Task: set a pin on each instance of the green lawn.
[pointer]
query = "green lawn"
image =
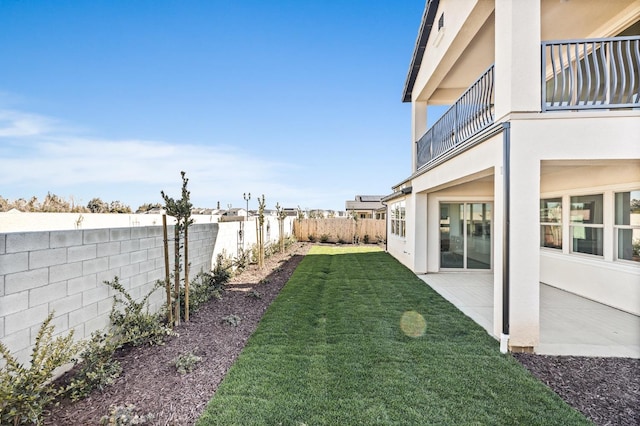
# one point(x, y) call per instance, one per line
point(355, 338)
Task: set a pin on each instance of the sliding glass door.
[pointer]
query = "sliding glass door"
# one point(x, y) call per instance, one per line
point(465, 235)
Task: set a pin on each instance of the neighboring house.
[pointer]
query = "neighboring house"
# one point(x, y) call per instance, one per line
point(290, 211)
point(367, 207)
point(234, 214)
point(533, 173)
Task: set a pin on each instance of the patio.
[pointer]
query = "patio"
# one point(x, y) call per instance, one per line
point(569, 324)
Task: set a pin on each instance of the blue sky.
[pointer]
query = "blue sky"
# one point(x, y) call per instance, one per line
point(299, 100)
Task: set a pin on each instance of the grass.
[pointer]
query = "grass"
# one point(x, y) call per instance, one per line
point(355, 338)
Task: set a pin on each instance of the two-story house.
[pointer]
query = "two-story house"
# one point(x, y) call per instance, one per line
point(532, 172)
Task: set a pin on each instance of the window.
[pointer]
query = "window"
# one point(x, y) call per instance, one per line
point(627, 225)
point(398, 222)
point(586, 225)
point(551, 223)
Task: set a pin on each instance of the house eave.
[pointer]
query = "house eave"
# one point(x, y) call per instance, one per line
point(428, 18)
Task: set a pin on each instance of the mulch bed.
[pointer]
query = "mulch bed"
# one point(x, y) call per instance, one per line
point(150, 380)
point(605, 390)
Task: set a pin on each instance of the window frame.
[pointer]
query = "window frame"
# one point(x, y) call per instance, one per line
point(617, 227)
point(590, 225)
point(552, 224)
point(397, 216)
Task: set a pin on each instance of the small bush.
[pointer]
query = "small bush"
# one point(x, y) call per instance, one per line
point(232, 320)
point(203, 287)
point(271, 249)
point(185, 363)
point(222, 270)
point(288, 242)
point(125, 415)
point(324, 238)
point(96, 368)
point(254, 294)
point(366, 239)
point(311, 238)
point(243, 259)
point(341, 241)
point(24, 392)
point(134, 325)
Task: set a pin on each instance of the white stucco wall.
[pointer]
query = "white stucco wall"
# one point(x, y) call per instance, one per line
point(227, 241)
point(601, 278)
point(30, 222)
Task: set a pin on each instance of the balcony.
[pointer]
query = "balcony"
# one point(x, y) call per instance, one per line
point(469, 115)
point(588, 74)
point(601, 73)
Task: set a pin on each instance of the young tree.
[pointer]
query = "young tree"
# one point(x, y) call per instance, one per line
point(260, 231)
point(281, 214)
point(181, 210)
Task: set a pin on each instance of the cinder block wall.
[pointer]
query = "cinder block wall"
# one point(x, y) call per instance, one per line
point(64, 271)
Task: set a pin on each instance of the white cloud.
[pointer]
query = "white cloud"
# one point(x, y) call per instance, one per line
point(37, 156)
point(19, 124)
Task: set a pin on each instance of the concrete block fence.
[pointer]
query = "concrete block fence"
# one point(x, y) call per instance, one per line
point(64, 271)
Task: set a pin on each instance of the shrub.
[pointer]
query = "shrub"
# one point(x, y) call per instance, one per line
point(241, 261)
point(97, 368)
point(271, 249)
point(288, 242)
point(134, 325)
point(366, 238)
point(324, 238)
point(185, 363)
point(24, 392)
point(125, 415)
point(232, 320)
point(254, 294)
point(203, 287)
point(311, 238)
point(222, 270)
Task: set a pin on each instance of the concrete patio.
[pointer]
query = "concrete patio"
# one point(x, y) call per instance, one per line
point(569, 324)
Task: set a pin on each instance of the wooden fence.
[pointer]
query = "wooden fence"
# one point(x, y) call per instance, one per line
point(340, 230)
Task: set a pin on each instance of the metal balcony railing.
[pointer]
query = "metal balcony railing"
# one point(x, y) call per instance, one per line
point(599, 73)
point(470, 114)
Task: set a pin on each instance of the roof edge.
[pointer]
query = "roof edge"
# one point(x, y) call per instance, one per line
point(428, 17)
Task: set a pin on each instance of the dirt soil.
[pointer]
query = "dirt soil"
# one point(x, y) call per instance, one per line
point(605, 390)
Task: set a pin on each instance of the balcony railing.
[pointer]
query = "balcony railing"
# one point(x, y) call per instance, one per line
point(600, 73)
point(469, 115)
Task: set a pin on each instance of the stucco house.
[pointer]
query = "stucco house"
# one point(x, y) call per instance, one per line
point(533, 172)
point(366, 207)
